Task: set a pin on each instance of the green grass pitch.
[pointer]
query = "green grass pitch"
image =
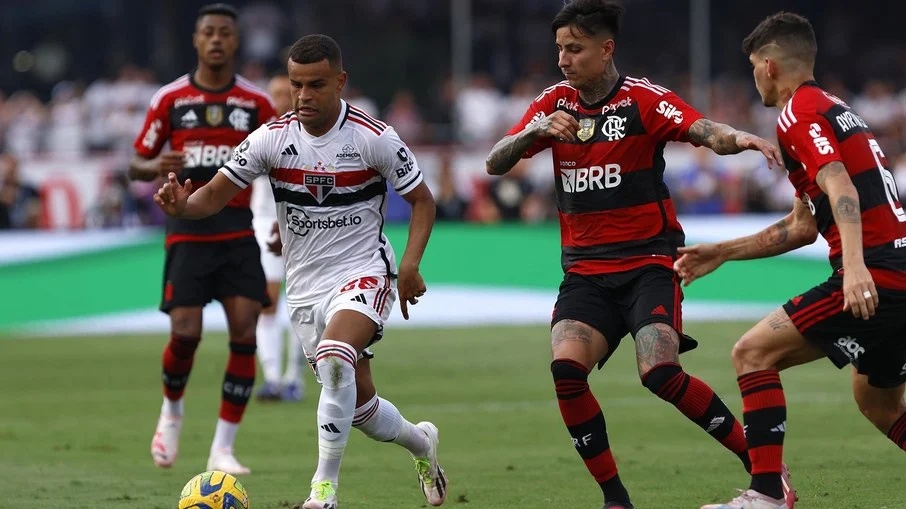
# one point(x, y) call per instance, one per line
point(77, 414)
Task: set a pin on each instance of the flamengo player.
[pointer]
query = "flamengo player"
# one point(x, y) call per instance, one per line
point(273, 327)
point(619, 231)
point(330, 164)
point(858, 315)
point(203, 116)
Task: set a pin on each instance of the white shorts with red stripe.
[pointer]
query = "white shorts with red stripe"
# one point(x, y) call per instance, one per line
point(373, 296)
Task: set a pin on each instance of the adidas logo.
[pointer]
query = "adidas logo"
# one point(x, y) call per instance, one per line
point(290, 150)
point(330, 428)
point(780, 428)
point(659, 311)
point(360, 298)
point(190, 119)
point(715, 422)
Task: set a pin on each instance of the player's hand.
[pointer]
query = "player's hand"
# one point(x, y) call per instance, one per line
point(172, 161)
point(172, 197)
point(697, 261)
point(748, 141)
point(859, 292)
point(410, 287)
point(274, 244)
point(559, 125)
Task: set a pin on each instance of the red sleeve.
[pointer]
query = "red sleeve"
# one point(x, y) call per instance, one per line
point(156, 129)
point(668, 117)
point(541, 107)
point(811, 141)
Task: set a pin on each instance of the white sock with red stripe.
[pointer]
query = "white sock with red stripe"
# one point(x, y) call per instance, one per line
point(380, 420)
point(335, 362)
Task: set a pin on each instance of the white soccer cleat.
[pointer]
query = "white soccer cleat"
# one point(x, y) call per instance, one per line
point(750, 499)
point(223, 460)
point(323, 496)
point(165, 443)
point(430, 476)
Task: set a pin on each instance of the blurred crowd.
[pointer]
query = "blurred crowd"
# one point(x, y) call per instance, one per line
point(61, 105)
point(103, 118)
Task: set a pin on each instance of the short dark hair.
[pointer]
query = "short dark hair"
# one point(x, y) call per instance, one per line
point(314, 48)
point(219, 8)
point(590, 16)
point(791, 32)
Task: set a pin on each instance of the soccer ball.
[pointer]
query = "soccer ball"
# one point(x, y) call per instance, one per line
point(213, 490)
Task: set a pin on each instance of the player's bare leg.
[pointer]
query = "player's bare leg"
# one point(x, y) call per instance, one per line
point(772, 344)
point(178, 356)
point(380, 420)
point(270, 346)
point(242, 318)
point(884, 408)
point(576, 347)
point(657, 354)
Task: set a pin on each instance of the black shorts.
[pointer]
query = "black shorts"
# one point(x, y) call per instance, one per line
point(195, 273)
point(622, 303)
point(876, 347)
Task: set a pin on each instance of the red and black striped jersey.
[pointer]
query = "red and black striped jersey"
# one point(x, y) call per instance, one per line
point(816, 128)
point(616, 213)
point(206, 125)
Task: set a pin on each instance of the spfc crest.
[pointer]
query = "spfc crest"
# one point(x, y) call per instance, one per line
point(319, 185)
point(214, 114)
point(586, 129)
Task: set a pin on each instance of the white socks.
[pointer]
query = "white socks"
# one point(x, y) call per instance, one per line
point(335, 362)
point(380, 420)
point(224, 435)
point(171, 408)
point(294, 360)
point(269, 338)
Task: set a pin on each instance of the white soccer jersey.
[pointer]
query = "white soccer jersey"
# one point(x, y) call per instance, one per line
point(331, 196)
point(262, 202)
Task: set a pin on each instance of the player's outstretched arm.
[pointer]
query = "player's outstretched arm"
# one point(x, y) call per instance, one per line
point(507, 152)
point(859, 292)
point(179, 200)
point(723, 139)
point(797, 229)
point(410, 284)
point(142, 168)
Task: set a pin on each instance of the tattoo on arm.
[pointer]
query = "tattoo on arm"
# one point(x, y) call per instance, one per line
point(570, 330)
point(655, 344)
point(848, 210)
point(507, 152)
point(827, 171)
point(720, 138)
point(775, 235)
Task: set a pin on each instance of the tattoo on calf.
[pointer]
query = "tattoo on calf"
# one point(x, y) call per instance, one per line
point(655, 344)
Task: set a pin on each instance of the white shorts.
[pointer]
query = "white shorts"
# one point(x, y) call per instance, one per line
point(274, 269)
point(373, 296)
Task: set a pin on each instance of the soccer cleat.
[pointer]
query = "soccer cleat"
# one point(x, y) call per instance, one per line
point(323, 496)
point(750, 499)
point(292, 392)
point(430, 476)
point(789, 492)
point(223, 460)
point(618, 505)
point(165, 443)
point(268, 392)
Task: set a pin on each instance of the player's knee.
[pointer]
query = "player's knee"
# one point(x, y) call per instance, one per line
point(335, 362)
point(183, 347)
point(658, 376)
point(751, 353)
